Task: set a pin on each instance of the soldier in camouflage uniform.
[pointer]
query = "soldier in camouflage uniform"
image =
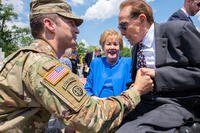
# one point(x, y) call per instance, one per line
point(35, 85)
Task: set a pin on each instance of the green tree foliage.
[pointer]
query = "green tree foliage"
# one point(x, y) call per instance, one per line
point(81, 49)
point(11, 38)
point(126, 52)
point(91, 48)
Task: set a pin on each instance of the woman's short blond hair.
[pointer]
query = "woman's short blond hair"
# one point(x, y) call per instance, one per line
point(110, 32)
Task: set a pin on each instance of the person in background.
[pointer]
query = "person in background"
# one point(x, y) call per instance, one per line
point(69, 58)
point(65, 59)
point(87, 60)
point(108, 75)
point(169, 53)
point(75, 51)
point(36, 85)
point(190, 8)
point(74, 60)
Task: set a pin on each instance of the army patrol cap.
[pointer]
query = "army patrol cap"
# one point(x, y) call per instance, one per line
point(60, 7)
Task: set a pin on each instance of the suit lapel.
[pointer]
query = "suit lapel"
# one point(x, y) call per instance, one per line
point(160, 46)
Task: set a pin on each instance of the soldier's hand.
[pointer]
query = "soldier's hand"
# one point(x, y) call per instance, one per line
point(143, 82)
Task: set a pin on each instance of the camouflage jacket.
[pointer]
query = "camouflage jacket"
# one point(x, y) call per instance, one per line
point(34, 85)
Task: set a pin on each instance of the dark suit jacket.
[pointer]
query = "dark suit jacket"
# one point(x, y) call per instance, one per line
point(179, 15)
point(177, 60)
point(88, 58)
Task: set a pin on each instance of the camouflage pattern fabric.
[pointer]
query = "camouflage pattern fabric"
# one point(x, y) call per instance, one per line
point(30, 92)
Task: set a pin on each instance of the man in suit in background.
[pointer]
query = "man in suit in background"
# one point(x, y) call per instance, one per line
point(170, 54)
point(88, 58)
point(190, 8)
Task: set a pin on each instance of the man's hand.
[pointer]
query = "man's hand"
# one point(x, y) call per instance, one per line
point(143, 82)
point(148, 71)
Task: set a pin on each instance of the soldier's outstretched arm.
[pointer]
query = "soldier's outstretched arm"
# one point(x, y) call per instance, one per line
point(61, 93)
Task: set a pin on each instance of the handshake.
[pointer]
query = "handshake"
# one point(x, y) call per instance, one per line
point(143, 80)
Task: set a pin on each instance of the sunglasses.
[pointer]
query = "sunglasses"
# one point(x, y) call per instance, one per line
point(198, 4)
point(123, 26)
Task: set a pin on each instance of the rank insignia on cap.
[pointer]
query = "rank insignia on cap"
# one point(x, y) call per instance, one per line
point(56, 74)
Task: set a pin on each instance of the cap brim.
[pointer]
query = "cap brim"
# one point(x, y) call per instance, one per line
point(78, 20)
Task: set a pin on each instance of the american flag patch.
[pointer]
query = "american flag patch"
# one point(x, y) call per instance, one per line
point(56, 74)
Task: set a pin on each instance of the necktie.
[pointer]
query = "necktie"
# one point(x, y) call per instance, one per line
point(190, 20)
point(140, 56)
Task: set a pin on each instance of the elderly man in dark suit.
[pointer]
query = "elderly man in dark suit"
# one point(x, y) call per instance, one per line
point(190, 8)
point(170, 54)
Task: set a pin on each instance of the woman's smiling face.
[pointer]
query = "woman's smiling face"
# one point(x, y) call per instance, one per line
point(111, 49)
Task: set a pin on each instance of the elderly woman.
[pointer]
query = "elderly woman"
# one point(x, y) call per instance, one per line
point(108, 75)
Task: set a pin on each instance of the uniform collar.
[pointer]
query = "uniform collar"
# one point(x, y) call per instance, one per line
point(43, 47)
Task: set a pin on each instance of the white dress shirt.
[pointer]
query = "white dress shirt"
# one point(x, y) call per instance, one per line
point(149, 47)
point(185, 12)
